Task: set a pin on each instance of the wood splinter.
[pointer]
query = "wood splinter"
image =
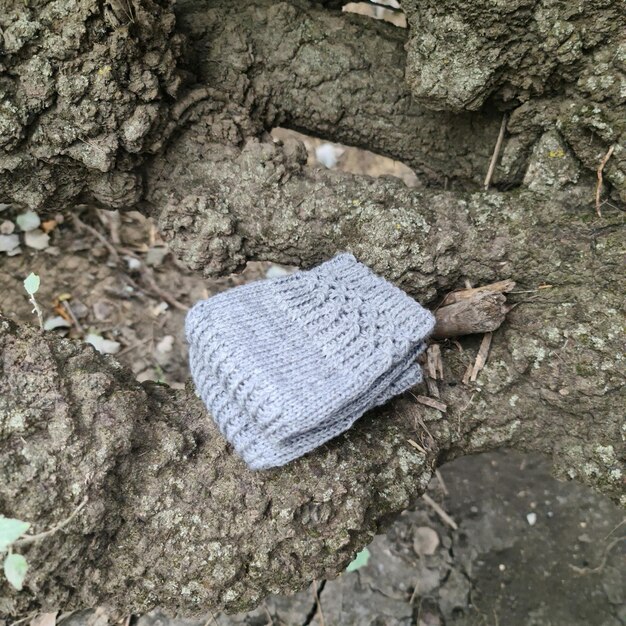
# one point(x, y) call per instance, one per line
point(482, 312)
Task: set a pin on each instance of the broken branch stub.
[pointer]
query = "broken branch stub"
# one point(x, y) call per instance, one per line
point(481, 312)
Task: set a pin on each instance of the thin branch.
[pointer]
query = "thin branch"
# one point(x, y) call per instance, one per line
point(440, 512)
point(99, 236)
point(26, 541)
point(496, 152)
point(36, 309)
point(319, 606)
point(481, 357)
point(600, 566)
point(607, 156)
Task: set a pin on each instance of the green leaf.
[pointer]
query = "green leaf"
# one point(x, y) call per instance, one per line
point(360, 561)
point(10, 531)
point(31, 284)
point(15, 568)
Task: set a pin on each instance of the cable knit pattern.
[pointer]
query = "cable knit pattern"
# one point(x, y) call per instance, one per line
point(285, 364)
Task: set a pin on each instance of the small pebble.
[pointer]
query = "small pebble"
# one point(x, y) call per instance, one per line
point(9, 242)
point(133, 263)
point(7, 227)
point(156, 255)
point(28, 221)
point(36, 239)
point(166, 344)
point(531, 518)
point(425, 540)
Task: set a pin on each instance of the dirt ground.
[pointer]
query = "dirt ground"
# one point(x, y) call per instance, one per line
point(527, 550)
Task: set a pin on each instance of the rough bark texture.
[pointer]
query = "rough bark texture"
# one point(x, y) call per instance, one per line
point(84, 110)
point(173, 518)
point(563, 62)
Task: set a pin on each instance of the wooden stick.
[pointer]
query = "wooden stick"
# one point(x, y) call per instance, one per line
point(496, 152)
point(434, 363)
point(607, 156)
point(482, 312)
point(502, 286)
point(437, 509)
point(481, 357)
point(432, 403)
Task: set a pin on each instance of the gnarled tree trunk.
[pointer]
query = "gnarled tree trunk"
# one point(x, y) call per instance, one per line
point(128, 103)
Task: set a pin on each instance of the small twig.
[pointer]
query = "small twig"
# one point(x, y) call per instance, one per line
point(36, 309)
point(146, 274)
point(269, 615)
point(431, 402)
point(417, 446)
point(420, 421)
point(502, 286)
point(70, 312)
point(433, 389)
point(605, 556)
point(496, 152)
point(319, 605)
point(134, 346)
point(99, 236)
point(616, 527)
point(481, 357)
point(442, 483)
point(211, 619)
point(442, 514)
point(24, 619)
point(92, 145)
point(33, 538)
point(434, 362)
point(415, 592)
point(607, 156)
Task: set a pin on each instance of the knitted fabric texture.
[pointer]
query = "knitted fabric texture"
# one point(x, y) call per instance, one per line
point(285, 364)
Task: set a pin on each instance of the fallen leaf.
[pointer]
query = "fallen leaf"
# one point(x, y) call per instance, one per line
point(31, 284)
point(11, 530)
point(102, 345)
point(49, 225)
point(56, 322)
point(359, 561)
point(15, 568)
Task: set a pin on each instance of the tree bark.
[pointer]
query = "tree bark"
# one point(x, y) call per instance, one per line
point(173, 511)
point(123, 111)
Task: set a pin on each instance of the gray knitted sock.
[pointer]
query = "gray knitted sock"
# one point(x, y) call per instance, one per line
point(286, 364)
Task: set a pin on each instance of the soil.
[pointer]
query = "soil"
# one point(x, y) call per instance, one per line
point(528, 550)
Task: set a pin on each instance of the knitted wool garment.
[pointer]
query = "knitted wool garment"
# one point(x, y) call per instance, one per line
point(285, 364)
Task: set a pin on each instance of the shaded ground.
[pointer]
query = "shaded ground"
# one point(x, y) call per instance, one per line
point(528, 550)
